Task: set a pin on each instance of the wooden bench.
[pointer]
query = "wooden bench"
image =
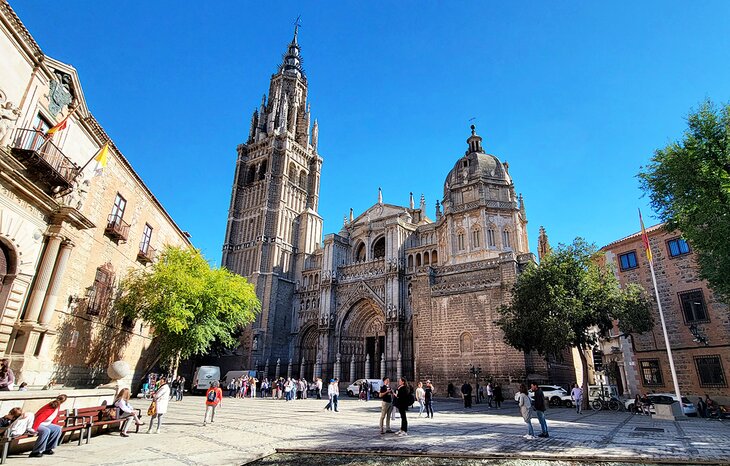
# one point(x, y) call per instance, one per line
point(69, 422)
point(97, 418)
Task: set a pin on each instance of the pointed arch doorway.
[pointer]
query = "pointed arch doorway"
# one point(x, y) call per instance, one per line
point(362, 336)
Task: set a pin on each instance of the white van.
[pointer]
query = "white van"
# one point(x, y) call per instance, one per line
point(204, 377)
point(354, 388)
point(230, 375)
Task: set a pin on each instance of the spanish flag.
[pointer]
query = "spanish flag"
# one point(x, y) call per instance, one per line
point(101, 159)
point(645, 238)
point(59, 127)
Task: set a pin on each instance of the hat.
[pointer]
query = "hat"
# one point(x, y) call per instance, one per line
point(332, 380)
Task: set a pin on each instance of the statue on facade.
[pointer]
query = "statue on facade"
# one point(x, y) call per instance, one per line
point(9, 114)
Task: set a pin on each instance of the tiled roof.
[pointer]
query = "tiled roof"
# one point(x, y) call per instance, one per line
point(649, 230)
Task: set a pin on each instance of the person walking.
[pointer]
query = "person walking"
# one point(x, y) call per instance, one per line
point(335, 394)
point(498, 397)
point(319, 388)
point(466, 393)
point(428, 398)
point(125, 411)
point(330, 395)
point(540, 408)
point(49, 433)
point(213, 399)
point(421, 398)
point(577, 395)
point(523, 401)
point(181, 390)
point(403, 399)
point(160, 398)
point(490, 394)
point(386, 405)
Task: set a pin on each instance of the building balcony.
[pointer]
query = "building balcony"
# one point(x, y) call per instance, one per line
point(116, 228)
point(46, 164)
point(146, 253)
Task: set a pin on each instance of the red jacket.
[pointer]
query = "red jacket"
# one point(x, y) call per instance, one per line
point(43, 414)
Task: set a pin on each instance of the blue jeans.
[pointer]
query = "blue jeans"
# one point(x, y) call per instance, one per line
point(543, 422)
point(530, 431)
point(48, 437)
point(334, 402)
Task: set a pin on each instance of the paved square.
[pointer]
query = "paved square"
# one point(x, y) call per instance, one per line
point(247, 429)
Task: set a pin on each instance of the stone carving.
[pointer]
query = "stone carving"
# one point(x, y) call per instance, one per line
point(9, 114)
point(77, 194)
point(60, 95)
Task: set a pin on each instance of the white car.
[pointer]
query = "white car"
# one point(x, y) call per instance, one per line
point(554, 394)
point(354, 388)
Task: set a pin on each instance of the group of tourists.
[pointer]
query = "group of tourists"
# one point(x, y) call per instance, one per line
point(245, 386)
point(491, 393)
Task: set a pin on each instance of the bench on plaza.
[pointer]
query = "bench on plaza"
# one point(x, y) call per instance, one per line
point(69, 422)
point(100, 417)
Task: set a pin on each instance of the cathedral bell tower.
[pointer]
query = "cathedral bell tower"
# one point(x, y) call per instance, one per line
point(272, 220)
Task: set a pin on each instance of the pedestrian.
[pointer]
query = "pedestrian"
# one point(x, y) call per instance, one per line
point(480, 393)
point(253, 382)
point(403, 399)
point(577, 395)
point(213, 399)
point(7, 378)
point(125, 411)
point(466, 394)
point(181, 390)
point(335, 394)
point(319, 388)
point(160, 399)
point(298, 387)
point(421, 398)
point(523, 401)
point(490, 394)
point(701, 407)
point(450, 390)
point(173, 388)
point(498, 397)
point(332, 393)
point(428, 398)
point(386, 405)
point(540, 407)
point(49, 433)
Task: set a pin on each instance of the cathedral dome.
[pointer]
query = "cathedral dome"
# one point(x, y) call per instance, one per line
point(476, 165)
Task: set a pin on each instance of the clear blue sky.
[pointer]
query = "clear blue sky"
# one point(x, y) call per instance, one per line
point(576, 96)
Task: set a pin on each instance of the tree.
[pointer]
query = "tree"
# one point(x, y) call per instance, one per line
point(570, 300)
point(188, 304)
point(688, 183)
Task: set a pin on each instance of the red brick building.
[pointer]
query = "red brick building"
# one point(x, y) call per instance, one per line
point(698, 322)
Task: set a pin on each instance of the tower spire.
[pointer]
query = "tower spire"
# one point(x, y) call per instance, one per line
point(292, 63)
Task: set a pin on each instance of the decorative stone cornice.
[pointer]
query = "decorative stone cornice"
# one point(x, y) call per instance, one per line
point(16, 25)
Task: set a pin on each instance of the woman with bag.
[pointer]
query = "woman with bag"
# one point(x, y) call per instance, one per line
point(523, 401)
point(159, 404)
point(403, 399)
point(125, 411)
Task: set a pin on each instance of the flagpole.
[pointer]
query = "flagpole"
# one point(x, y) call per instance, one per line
point(661, 317)
point(81, 170)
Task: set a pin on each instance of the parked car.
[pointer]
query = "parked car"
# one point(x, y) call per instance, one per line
point(354, 388)
point(688, 408)
point(554, 394)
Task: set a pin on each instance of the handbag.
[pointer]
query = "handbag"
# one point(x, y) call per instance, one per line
point(152, 410)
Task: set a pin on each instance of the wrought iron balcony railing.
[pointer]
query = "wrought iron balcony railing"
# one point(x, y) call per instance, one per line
point(46, 163)
point(146, 253)
point(116, 228)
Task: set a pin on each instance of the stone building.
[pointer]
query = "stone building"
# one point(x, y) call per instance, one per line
point(698, 323)
point(394, 292)
point(66, 236)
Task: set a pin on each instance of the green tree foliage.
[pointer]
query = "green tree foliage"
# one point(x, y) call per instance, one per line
point(688, 183)
point(188, 304)
point(571, 300)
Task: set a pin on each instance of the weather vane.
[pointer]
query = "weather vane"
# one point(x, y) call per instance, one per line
point(297, 24)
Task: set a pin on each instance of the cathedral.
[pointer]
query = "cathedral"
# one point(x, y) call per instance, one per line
point(394, 292)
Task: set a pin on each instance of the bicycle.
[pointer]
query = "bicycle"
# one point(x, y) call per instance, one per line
point(605, 402)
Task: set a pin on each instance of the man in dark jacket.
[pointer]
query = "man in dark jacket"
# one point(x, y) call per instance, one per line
point(466, 392)
point(539, 406)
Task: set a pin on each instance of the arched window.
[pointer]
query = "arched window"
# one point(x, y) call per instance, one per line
point(460, 241)
point(292, 173)
point(410, 261)
point(303, 179)
point(316, 279)
point(490, 238)
point(476, 238)
point(262, 170)
point(466, 343)
point(306, 281)
point(425, 258)
point(505, 239)
point(418, 259)
point(434, 257)
point(379, 248)
point(360, 253)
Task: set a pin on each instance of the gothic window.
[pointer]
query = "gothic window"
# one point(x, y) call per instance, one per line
point(100, 293)
point(466, 343)
point(434, 257)
point(490, 238)
point(306, 281)
point(505, 239)
point(303, 180)
point(410, 261)
point(460, 241)
point(360, 253)
point(379, 248)
point(418, 259)
point(262, 170)
point(476, 240)
point(292, 173)
point(316, 279)
point(251, 174)
point(425, 258)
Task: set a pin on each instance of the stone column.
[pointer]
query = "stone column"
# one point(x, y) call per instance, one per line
point(399, 366)
point(278, 368)
point(382, 365)
point(49, 306)
point(266, 369)
point(302, 369)
point(367, 366)
point(352, 369)
point(288, 370)
point(43, 276)
point(338, 367)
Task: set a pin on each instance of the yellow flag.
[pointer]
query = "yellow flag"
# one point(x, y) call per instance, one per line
point(101, 160)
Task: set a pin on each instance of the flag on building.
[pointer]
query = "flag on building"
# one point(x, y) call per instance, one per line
point(60, 126)
point(101, 160)
point(645, 238)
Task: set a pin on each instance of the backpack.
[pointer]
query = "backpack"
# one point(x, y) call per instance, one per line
point(212, 396)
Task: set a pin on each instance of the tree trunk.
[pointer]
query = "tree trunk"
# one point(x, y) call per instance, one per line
point(584, 365)
point(175, 365)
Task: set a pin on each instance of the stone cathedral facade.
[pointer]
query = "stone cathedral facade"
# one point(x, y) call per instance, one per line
point(394, 292)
